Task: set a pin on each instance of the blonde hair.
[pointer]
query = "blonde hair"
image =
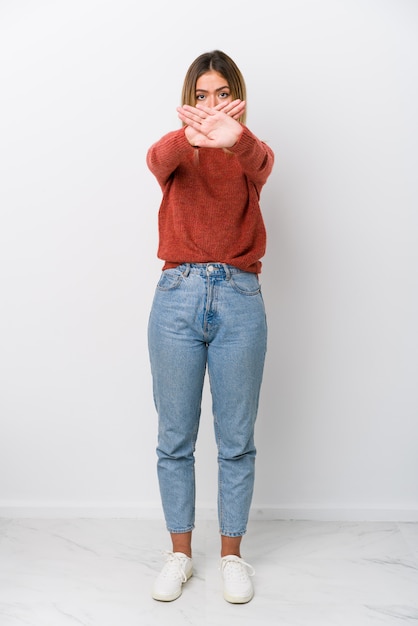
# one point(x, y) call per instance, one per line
point(219, 62)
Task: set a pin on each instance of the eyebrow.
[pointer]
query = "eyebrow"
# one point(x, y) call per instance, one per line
point(219, 89)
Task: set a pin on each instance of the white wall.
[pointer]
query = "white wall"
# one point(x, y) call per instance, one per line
point(86, 87)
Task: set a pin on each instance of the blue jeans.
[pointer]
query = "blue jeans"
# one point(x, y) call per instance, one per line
point(207, 315)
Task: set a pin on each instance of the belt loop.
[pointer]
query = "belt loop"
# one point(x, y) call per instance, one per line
point(227, 271)
point(187, 270)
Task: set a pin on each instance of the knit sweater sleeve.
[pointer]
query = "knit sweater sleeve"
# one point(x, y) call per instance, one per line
point(255, 156)
point(164, 156)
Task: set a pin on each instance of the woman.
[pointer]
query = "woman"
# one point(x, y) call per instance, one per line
point(208, 312)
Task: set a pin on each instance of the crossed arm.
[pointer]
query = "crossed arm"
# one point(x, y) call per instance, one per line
point(212, 128)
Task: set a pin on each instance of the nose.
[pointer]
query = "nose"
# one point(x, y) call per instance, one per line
point(212, 101)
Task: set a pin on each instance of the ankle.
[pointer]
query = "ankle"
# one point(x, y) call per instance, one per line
point(230, 546)
point(182, 542)
point(183, 548)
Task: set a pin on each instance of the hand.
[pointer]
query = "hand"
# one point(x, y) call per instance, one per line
point(212, 128)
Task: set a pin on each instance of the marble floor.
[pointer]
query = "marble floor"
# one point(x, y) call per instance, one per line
point(99, 572)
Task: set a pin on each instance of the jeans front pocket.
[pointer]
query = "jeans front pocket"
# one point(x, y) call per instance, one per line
point(169, 279)
point(245, 283)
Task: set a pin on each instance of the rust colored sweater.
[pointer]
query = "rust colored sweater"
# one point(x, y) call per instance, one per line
point(210, 208)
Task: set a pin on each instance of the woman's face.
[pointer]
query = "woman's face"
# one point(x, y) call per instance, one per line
point(212, 89)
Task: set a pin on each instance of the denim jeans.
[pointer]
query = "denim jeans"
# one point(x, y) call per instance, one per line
point(207, 315)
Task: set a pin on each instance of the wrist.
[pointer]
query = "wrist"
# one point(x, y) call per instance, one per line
point(238, 136)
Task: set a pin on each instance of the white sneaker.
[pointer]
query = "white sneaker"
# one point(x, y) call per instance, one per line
point(176, 571)
point(236, 573)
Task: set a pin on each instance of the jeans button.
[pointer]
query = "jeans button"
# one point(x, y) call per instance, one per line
point(210, 268)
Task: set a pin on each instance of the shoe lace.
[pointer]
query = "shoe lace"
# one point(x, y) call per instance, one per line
point(173, 568)
point(236, 568)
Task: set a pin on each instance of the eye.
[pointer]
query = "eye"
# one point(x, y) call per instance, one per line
point(223, 95)
point(200, 96)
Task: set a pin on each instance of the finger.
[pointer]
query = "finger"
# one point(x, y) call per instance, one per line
point(229, 106)
point(202, 108)
point(237, 107)
point(237, 112)
point(189, 122)
point(190, 113)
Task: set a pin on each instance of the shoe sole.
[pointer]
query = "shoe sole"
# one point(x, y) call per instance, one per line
point(238, 599)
